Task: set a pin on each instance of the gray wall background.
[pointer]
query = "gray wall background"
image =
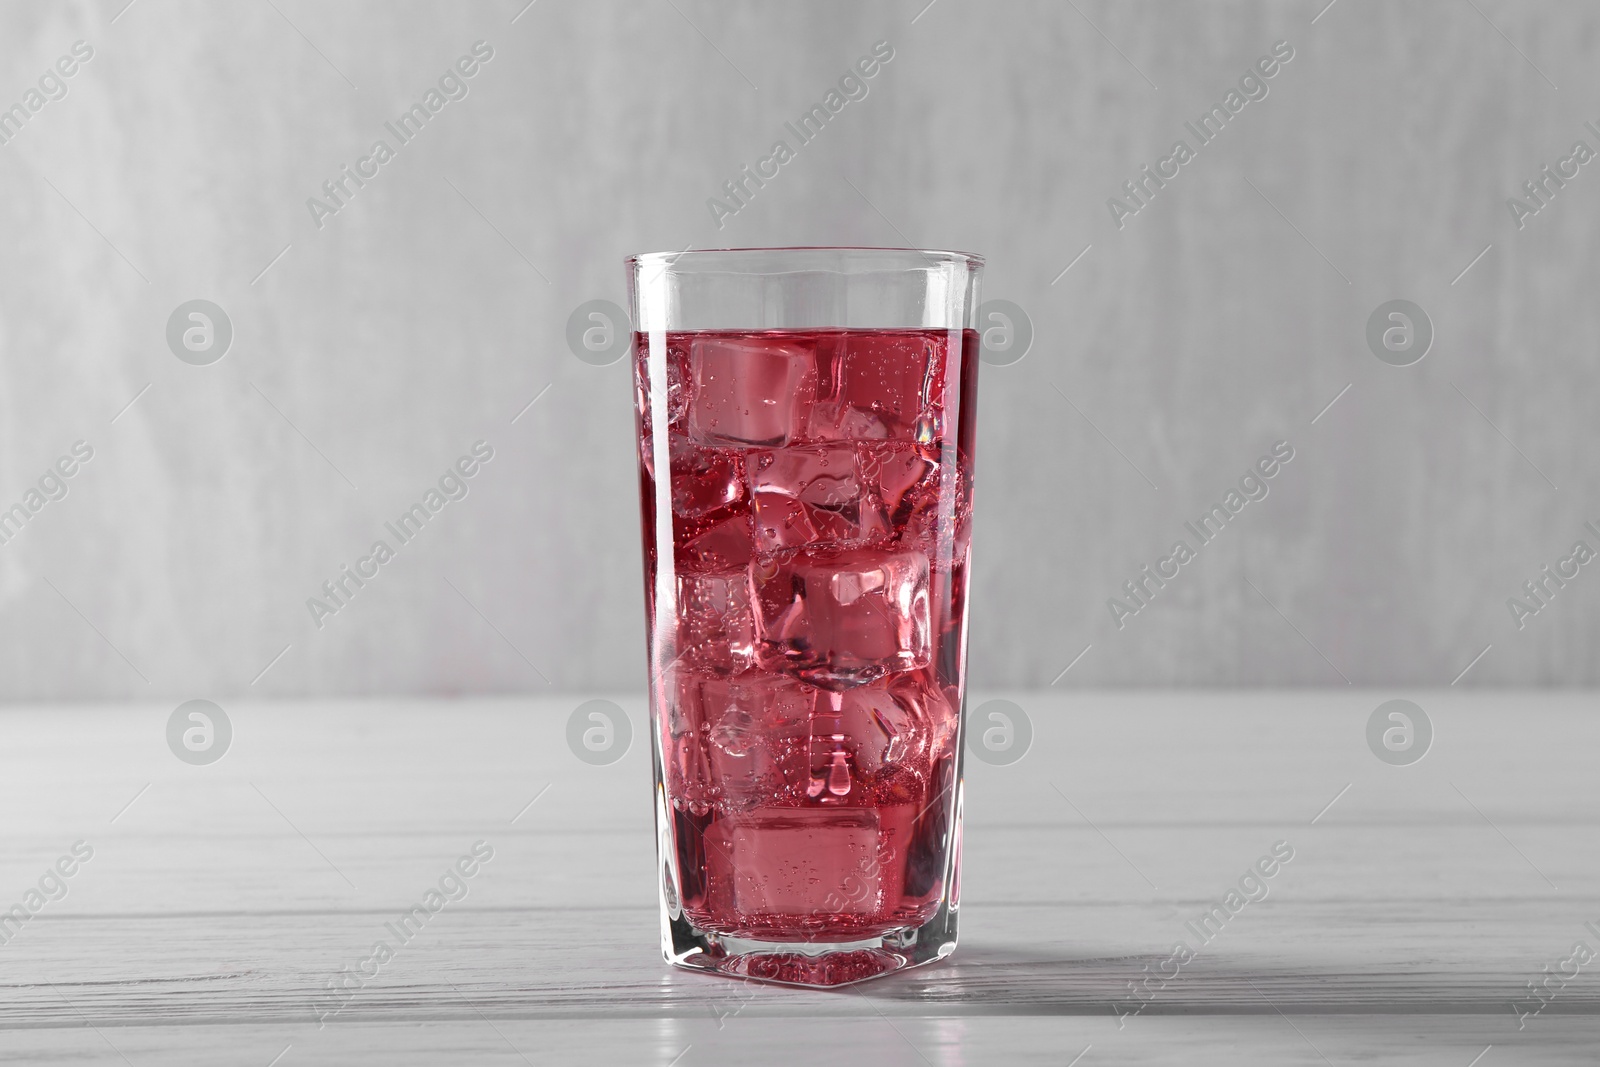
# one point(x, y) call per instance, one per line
point(426, 314)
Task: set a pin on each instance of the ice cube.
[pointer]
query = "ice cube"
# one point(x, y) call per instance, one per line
point(934, 706)
point(683, 746)
point(884, 726)
point(757, 726)
point(677, 398)
point(931, 844)
point(722, 546)
point(705, 480)
point(715, 628)
point(677, 379)
point(841, 618)
point(747, 391)
point(799, 862)
point(835, 421)
point(890, 374)
point(924, 516)
point(811, 496)
point(901, 478)
point(885, 382)
point(949, 596)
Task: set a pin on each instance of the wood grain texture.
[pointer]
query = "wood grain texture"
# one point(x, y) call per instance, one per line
point(416, 321)
point(220, 903)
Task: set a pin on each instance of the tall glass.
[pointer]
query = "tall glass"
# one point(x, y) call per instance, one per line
point(806, 421)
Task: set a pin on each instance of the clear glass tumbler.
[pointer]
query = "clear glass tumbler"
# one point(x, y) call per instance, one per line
point(806, 420)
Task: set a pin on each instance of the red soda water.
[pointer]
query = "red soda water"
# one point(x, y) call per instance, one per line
point(807, 673)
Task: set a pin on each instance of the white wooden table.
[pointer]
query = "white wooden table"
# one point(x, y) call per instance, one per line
point(219, 903)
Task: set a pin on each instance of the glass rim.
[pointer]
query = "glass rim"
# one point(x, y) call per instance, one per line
point(707, 256)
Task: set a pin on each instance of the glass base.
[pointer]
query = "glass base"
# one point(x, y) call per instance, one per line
point(810, 963)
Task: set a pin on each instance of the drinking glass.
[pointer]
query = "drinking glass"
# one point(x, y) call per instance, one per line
point(805, 424)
